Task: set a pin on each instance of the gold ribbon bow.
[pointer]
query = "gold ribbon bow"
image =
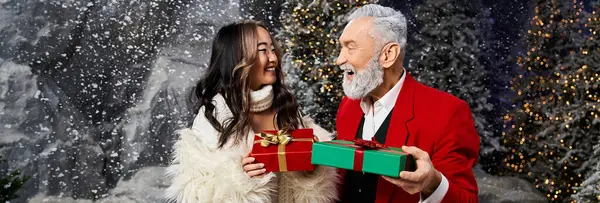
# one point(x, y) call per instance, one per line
point(281, 138)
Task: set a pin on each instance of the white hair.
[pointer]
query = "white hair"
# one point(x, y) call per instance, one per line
point(389, 25)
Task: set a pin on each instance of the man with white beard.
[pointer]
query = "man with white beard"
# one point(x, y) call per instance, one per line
point(385, 103)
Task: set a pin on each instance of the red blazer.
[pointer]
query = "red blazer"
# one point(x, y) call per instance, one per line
point(433, 121)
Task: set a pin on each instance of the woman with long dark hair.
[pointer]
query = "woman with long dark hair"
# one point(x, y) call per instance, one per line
point(242, 92)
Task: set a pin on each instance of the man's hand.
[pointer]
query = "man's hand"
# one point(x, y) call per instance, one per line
point(425, 179)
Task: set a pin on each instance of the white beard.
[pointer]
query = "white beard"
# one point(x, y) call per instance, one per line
point(364, 81)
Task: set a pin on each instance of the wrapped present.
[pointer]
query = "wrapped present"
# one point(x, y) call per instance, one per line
point(364, 156)
point(284, 150)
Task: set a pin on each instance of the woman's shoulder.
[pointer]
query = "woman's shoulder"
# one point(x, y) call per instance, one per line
point(201, 130)
point(204, 130)
point(221, 111)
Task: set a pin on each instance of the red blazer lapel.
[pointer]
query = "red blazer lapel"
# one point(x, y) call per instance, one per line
point(403, 112)
point(349, 115)
point(398, 132)
point(348, 119)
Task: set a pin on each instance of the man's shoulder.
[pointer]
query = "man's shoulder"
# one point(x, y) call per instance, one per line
point(434, 109)
point(426, 95)
point(349, 103)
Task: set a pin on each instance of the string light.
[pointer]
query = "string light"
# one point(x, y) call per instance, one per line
point(559, 94)
point(312, 29)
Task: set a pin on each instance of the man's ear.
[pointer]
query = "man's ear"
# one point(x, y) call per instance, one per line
point(390, 54)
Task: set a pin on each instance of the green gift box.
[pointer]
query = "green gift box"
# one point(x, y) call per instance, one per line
point(387, 161)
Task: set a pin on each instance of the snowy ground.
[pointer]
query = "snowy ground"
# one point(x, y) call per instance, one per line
point(148, 184)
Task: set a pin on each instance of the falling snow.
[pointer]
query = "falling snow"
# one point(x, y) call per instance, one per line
point(91, 92)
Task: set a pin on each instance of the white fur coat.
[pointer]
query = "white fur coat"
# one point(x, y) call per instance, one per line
point(201, 172)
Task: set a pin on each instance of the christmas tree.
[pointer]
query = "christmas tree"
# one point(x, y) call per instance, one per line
point(590, 188)
point(309, 35)
point(10, 184)
point(445, 55)
point(555, 124)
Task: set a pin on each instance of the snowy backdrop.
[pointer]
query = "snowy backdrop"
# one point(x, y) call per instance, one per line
point(92, 91)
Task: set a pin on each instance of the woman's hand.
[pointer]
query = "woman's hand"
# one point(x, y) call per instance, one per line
point(252, 169)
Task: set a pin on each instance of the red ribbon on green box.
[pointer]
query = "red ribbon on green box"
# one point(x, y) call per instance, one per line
point(359, 156)
point(388, 161)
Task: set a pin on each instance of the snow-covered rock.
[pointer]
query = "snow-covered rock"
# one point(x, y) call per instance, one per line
point(500, 189)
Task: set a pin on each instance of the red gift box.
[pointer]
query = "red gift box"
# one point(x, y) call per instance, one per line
point(284, 151)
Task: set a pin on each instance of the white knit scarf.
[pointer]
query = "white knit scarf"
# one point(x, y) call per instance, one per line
point(262, 99)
